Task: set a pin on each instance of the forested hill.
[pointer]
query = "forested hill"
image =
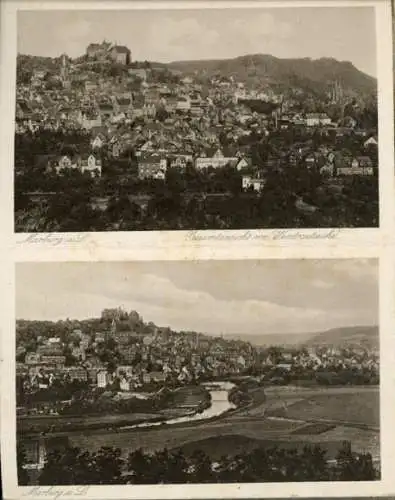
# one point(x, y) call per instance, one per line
point(362, 336)
point(308, 74)
point(28, 331)
point(288, 72)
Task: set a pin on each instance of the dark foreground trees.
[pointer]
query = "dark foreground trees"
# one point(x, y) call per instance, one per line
point(275, 464)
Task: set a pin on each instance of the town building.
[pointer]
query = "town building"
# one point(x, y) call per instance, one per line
point(121, 54)
point(84, 163)
point(216, 160)
point(98, 50)
point(152, 167)
point(317, 119)
point(103, 379)
point(250, 183)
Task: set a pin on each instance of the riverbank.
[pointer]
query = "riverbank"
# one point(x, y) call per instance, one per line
point(211, 404)
point(223, 421)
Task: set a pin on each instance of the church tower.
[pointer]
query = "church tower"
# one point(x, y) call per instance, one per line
point(113, 327)
point(64, 71)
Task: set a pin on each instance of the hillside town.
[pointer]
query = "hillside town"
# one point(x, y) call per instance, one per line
point(120, 353)
point(143, 145)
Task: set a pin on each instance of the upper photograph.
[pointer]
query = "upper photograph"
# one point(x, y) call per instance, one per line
point(194, 119)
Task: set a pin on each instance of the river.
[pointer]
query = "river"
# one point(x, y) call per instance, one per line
point(219, 404)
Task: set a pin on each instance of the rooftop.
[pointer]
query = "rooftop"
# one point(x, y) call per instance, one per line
point(121, 49)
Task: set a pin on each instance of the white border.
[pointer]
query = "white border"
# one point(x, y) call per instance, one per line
point(174, 239)
point(231, 491)
point(353, 243)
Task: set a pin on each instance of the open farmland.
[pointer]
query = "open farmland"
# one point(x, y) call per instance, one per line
point(178, 435)
point(326, 417)
point(48, 423)
point(351, 405)
point(362, 441)
point(359, 408)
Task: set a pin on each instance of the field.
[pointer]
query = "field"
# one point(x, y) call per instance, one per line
point(351, 405)
point(176, 436)
point(312, 429)
point(325, 417)
point(48, 423)
point(353, 409)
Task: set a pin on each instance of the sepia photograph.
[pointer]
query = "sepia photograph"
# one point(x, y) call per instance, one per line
point(194, 372)
point(195, 119)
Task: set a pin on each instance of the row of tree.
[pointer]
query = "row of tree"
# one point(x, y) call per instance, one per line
point(354, 205)
point(107, 466)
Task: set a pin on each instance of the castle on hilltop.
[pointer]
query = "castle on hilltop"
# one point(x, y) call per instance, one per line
point(107, 50)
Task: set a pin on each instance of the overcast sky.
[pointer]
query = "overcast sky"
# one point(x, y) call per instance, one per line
point(163, 36)
point(251, 297)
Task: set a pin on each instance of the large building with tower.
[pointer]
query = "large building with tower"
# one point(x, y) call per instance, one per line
point(106, 50)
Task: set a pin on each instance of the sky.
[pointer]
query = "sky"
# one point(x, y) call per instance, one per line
point(344, 33)
point(215, 297)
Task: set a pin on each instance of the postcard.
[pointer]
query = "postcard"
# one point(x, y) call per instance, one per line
point(117, 384)
point(196, 119)
point(198, 276)
point(208, 372)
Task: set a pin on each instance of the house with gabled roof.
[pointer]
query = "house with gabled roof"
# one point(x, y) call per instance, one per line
point(90, 163)
point(98, 140)
point(83, 163)
point(243, 163)
point(372, 141)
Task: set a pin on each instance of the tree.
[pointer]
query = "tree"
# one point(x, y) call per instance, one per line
point(161, 114)
point(353, 467)
point(23, 476)
point(23, 75)
point(70, 359)
point(201, 467)
point(123, 212)
point(275, 353)
point(73, 466)
point(138, 466)
point(276, 464)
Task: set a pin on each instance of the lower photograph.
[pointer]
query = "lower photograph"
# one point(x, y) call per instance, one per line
point(173, 372)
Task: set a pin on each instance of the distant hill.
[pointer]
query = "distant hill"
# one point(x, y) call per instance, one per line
point(304, 73)
point(313, 75)
point(359, 335)
point(274, 339)
point(364, 336)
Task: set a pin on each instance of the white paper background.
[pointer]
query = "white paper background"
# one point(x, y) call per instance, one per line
point(352, 243)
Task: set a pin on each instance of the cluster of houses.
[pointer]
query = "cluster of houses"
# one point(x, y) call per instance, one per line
point(154, 165)
point(163, 356)
point(327, 358)
point(83, 163)
point(145, 359)
point(176, 121)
